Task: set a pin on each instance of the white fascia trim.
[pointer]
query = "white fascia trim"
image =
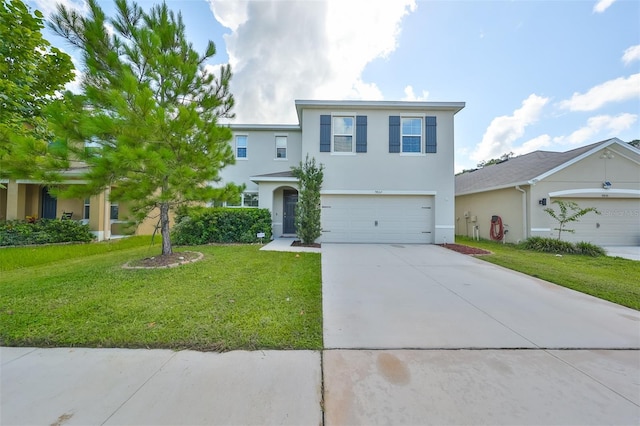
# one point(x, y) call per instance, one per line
point(272, 179)
point(374, 192)
point(39, 182)
point(273, 127)
point(588, 192)
point(4, 180)
point(493, 188)
point(395, 106)
point(540, 229)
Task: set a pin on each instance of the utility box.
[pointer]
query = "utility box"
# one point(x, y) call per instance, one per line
point(474, 219)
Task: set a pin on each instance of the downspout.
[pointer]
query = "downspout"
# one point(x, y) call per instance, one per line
point(524, 212)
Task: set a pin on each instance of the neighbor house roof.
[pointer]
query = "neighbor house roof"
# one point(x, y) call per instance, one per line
point(523, 170)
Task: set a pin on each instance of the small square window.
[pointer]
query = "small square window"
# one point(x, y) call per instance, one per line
point(412, 135)
point(281, 147)
point(241, 146)
point(343, 134)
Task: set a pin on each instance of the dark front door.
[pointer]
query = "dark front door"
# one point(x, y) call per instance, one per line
point(49, 204)
point(289, 212)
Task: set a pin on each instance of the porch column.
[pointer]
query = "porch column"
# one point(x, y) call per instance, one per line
point(96, 215)
point(16, 200)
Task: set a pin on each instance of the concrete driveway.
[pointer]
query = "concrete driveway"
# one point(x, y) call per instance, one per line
point(420, 334)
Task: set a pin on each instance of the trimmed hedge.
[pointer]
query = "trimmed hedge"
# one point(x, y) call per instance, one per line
point(552, 245)
point(201, 225)
point(43, 231)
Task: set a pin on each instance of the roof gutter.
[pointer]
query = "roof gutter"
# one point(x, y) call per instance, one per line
point(524, 211)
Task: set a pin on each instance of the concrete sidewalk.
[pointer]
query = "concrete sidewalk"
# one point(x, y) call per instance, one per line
point(159, 387)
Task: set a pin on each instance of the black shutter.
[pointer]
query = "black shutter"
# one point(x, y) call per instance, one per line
point(394, 133)
point(325, 133)
point(361, 133)
point(431, 140)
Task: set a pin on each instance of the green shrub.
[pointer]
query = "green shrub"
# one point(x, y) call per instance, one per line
point(43, 231)
point(552, 245)
point(589, 249)
point(200, 225)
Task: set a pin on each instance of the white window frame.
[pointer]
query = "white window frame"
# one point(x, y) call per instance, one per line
point(246, 147)
point(242, 201)
point(286, 147)
point(402, 135)
point(352, 116)
point(86, 208)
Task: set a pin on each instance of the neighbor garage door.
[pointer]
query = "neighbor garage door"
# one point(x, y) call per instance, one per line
point(377, 219)
point(618, 223)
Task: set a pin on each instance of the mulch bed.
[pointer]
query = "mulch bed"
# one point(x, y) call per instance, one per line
point(473, 251)
point(165, 260)
point(298, 243)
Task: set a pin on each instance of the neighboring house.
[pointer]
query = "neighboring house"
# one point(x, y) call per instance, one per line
point(388, 169)
point(604, 175)
point(24, 198)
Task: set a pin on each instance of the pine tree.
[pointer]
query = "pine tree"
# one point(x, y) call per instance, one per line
point(148, 113)
point(31, 72)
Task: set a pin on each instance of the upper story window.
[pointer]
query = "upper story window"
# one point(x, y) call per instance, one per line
point(343, 134)
point(412, 134)
point(281, 147)
point(241, 146)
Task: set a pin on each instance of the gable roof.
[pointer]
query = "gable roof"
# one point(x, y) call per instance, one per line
point(526, 169)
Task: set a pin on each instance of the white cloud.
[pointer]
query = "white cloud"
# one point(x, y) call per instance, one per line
point(534, 144)
point(605, 125)
point(631, 54)
point(409, 95)
point(286, 50)
point(602, 5)
point(504, 130)
point(48, 7)
point(618, 90)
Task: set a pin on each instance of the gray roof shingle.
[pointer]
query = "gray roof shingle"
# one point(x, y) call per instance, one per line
point(517, 170)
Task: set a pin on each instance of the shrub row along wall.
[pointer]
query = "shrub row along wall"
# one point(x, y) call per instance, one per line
point(43, 231)
point(201, 225)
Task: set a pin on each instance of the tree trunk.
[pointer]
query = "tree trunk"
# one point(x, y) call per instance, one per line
point(164, 228)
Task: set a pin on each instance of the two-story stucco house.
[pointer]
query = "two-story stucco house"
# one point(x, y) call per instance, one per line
point(388, 169)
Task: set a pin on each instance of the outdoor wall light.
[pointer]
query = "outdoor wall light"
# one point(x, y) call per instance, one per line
point(606, 184)
point(543, 202)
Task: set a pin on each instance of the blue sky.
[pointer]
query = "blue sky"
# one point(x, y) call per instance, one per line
point(551, 75)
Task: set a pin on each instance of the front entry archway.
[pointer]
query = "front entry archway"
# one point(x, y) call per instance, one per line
point(290, 200)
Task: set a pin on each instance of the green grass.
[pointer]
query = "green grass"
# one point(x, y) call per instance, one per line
point(237, 297)
point(610, 278)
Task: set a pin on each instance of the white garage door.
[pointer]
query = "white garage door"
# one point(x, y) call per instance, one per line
point(618, 223)
point(377, 219)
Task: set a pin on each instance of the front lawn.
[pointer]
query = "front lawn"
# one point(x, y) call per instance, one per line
point(237, 297)
point(610, 278)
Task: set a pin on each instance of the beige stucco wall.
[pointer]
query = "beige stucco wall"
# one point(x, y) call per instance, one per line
point(506, 203)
